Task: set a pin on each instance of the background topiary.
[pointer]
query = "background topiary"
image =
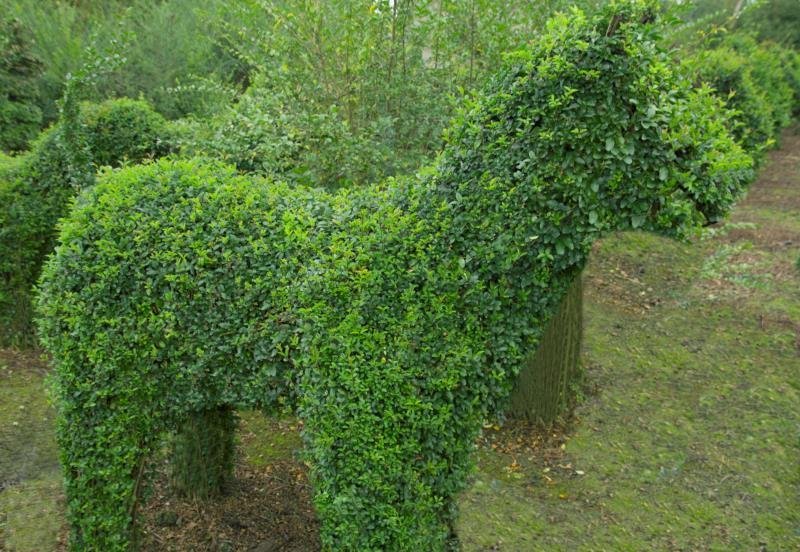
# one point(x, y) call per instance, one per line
point(393, 317)
point(756, 81)
point(38, 191)
point(768, 66)
point(730, 75)
point(124, 131)
point(20, 117)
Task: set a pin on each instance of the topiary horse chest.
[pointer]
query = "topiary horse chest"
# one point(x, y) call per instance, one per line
point(392, 317)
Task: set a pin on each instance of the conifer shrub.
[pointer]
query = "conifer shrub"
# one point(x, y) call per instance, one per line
point(203, 453)
point(393, 317)
point(40, 188)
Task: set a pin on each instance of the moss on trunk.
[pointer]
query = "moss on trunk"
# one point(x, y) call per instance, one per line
point(547, 384)
point(203, 451)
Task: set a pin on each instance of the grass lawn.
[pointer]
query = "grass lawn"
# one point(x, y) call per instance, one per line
point(687, 438)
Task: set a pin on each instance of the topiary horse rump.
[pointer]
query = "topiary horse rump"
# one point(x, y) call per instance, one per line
point(393, 318)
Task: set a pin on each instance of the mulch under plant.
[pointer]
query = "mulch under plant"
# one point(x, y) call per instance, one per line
point(269, 508)
point(263, 510)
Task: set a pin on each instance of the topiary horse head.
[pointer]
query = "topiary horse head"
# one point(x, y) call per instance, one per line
point(393, 317)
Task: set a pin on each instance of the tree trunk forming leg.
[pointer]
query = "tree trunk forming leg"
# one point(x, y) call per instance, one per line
point(203, 453)
point(547, 384)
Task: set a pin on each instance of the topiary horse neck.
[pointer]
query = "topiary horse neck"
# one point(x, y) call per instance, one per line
point(394, 317)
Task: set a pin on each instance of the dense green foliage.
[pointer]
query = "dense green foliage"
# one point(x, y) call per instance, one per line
point(393, 317)
point(20, 116)
point(391, 73)
point(270, 132)
point(773, 71)
point(392, 70)
point(774, 20)
point(203, 451)
point(177, 79)
point(124, 131)
point(39, 189)
point(550, 378)
point(756, 82)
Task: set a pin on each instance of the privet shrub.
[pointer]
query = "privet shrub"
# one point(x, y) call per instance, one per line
point(394, 317)
point(41, 187)
point(790, 62)
point(756, 82)
point(8, 164)
point(730, 74)
point(770, 73)
point(774, 20)
point(124, 130)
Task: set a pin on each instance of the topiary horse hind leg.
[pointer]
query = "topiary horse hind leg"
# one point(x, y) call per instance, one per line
point(203, 453)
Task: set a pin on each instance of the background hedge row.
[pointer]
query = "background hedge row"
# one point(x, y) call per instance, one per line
point(36, 190)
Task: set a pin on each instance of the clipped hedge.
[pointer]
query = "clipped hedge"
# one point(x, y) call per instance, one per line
point(729, 74)
point(790, 62)
point(770, 72)
point(40, 188)
point(393, 317)
point(124, 130)
point(757, 82)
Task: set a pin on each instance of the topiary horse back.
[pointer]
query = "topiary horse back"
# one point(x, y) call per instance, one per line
point(394, 317)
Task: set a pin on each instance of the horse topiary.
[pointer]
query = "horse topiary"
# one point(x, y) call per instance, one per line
point(393, 318)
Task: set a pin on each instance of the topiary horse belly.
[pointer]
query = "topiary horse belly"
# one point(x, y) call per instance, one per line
point(395, 317)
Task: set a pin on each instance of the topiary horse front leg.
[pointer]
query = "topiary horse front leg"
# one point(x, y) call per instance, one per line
point(372, 486)
point(104, 443)
point(203, 453)
point(388, 445)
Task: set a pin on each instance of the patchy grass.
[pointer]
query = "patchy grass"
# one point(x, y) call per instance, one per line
point(688, 437)
point(692, 439)
point(31, 504)
point(31, 515)
point(266, 440)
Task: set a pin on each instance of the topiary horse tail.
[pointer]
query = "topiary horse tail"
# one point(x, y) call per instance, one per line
point(393, 318)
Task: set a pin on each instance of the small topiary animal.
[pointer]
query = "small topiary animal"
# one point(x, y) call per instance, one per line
point(392, 317)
